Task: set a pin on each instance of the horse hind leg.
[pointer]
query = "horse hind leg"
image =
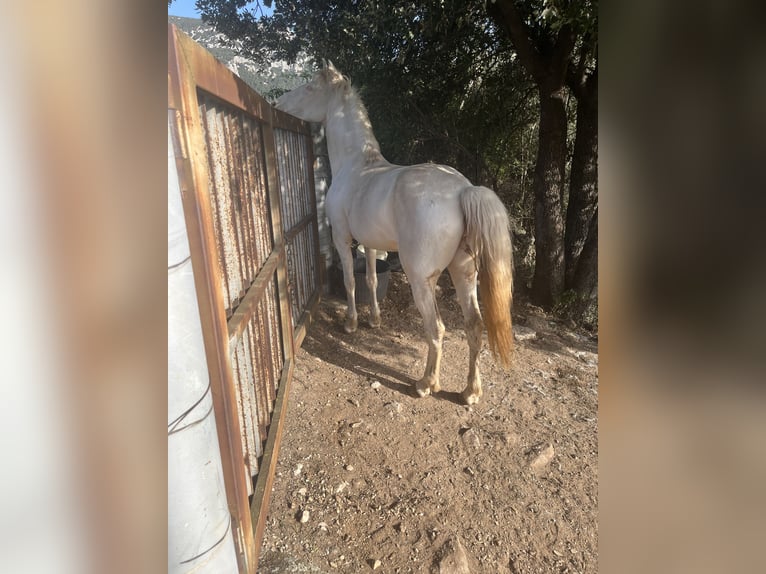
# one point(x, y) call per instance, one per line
point(463, 273)
point(425, 300)
point(372, 286)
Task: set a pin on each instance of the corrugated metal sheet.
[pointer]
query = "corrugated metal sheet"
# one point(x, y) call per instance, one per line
point(299, 212)
point(257, 360)
point(244, 239)
point(239, 195)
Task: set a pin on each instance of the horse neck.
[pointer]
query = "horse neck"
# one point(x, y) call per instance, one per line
point(350, 139)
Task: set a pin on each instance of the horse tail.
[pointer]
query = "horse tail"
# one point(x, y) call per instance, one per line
point(488, 235)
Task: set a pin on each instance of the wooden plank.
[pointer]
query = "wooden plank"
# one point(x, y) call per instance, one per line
point(193, 178)
point(307, 317)
point(238, 321)
point(213, 77)
point(298, 227)
point(265, 481)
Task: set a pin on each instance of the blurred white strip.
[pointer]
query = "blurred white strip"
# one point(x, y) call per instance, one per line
point(40, 518)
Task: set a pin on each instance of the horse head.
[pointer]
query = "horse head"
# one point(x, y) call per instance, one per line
point(310, 102)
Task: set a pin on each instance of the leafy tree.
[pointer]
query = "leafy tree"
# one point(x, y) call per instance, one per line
point(545, 34)
point(442, 82)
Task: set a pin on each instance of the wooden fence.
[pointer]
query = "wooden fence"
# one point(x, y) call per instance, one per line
point(246, 174)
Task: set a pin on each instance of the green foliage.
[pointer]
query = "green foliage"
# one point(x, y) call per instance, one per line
point(582, 15)
point(441, 82)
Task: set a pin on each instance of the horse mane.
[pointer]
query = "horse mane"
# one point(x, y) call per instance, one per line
point(371, 148)
point(350, 96)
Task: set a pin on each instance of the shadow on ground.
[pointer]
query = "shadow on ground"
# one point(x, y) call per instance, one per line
point(327, 341)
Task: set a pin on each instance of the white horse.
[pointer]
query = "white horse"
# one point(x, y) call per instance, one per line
point(429, 213)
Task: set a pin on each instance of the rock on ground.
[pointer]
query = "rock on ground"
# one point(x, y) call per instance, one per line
point(544, 457)
point(522, 333)
point(453, 559)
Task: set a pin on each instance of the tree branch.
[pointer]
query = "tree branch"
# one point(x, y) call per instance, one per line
point(577, 76)
point(507, 17)
point(562, 53)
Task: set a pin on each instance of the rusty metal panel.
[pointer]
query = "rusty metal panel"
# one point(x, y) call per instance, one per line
point(258, 357)
point(221, 199)
point(250, 435)
point(299, 211)
point(254, 163)
point(239, 197)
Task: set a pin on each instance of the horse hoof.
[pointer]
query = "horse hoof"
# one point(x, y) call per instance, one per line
point(470, 398)
point(435, 388)
point(423, 388)
point(374, 322)
point(350, 326)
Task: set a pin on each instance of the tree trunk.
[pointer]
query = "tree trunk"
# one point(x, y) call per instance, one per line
point(548, 281)
point(547, 63)
point(583, 182)
point(585, 280)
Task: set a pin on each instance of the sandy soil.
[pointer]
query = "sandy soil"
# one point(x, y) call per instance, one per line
point(370, 477)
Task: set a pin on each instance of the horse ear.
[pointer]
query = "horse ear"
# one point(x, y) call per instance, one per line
point(329, 65)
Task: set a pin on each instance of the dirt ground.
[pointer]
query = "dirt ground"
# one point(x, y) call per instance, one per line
point(370, 477)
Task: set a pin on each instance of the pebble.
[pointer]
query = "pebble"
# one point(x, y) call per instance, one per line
point(376, 564)
point(543, 458)
point(522, 333)
point(341, 487)
point(305, 516)
point(349, 467)
point(454, 559)
point(375, 385)
point(298, 469)
point(471, 440)
point(511, 438)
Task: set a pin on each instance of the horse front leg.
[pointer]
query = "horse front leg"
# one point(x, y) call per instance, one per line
point(372, 286)
point(347, 261)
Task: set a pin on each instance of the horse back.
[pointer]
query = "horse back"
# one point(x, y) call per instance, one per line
point(389, 204)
